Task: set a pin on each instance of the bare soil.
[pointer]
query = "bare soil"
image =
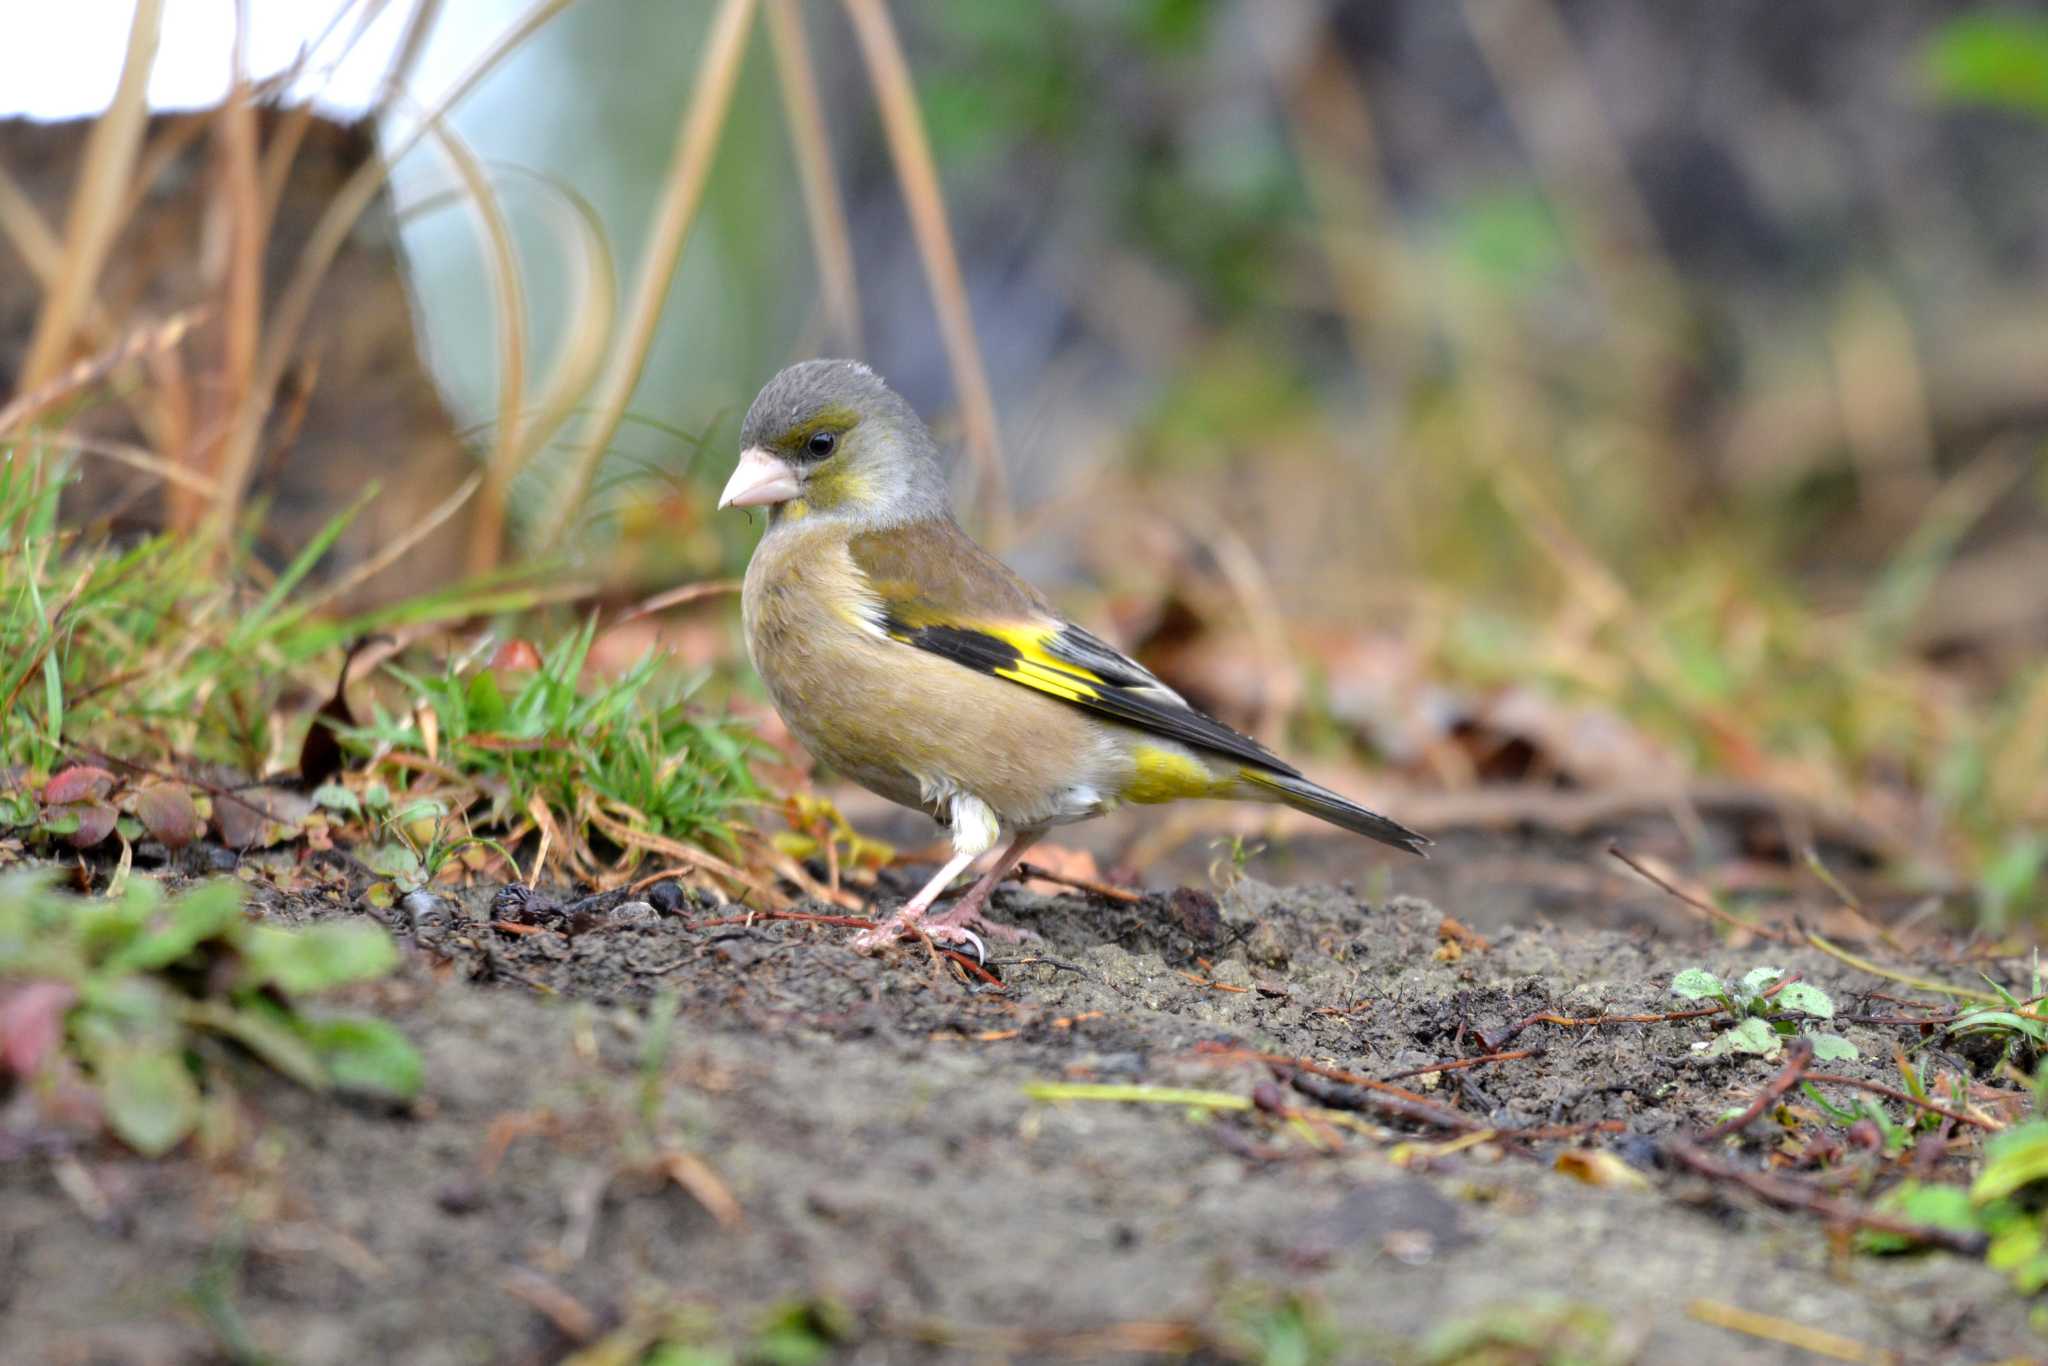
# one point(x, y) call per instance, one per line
point(837, 1157)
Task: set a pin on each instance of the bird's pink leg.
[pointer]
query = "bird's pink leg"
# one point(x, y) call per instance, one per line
point(969, 911)
point(897, 925)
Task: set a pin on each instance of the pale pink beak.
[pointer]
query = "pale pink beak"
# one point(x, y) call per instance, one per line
point(759, 479)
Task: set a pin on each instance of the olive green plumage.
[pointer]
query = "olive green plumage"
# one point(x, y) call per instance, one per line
point(911, 660)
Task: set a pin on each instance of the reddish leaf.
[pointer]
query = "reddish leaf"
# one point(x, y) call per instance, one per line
point(95, 822)
point(81, 783)
point(32, 1024)
point(516, 653)
point(167, 812)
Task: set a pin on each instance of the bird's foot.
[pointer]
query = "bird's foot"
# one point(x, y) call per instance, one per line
point(909, 924)
point(971, 915)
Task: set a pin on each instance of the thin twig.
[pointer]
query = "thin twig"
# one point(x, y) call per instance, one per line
point(1904, 979)
point(675, 597)
point(1798, 1054)
point(1122, 896)
point(1513, 1031)
point(1903, 1097)
point(140, 342)
point(394, 549)
point(1459, 1064)
point(1797, 1195)
point(852, 922)
point(1345, 1096)
point(1700, 904)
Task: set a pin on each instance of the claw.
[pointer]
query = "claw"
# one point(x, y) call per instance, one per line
point(980, 949)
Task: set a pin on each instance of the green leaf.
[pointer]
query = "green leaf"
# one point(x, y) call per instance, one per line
point(1997, 60)
point(2013, 1159)
point(1833, 1048)
point(400, 862)
point(151, 1101)
point(2015, 1247)
point(486, 703)
point(1697, 984)
point(18, 808)
point(335, 797)
point(1999, 1022)
point(318, 956)
point(1807, 999)
point(253, 624)
point(53, 696)
point(1509, 239)
point(1945, 1207)
point(424, 809)
point(1751, 1036)
point(1756, 979)
point(2012, 875)
point(1834, 1112)
point(266, 1030)
point(199, 915)
point(366, 1055)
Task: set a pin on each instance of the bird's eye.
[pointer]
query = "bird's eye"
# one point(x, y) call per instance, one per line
point(821, 443)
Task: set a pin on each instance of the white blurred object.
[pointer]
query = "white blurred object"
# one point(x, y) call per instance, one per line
point(62, 61)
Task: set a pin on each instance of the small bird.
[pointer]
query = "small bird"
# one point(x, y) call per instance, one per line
point(914, 662)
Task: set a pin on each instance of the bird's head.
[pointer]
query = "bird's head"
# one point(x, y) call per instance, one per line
point(829, 438)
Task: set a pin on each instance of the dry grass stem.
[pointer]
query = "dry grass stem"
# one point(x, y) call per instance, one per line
point(102, 185)
point(139, 343)
point(1578, 158)
point(139, 458)
point(417, 29)
point(823, 208)
point(718, 72)
point(911, 150)
point(21, 223)
point(288, 318)
point(508, 303)
point(395, 549)
point(594, 285)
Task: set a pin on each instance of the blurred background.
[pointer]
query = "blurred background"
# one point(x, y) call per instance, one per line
point(1541, 414)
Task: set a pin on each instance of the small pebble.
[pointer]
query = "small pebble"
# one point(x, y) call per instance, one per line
point(522, 905)
point(634, 913)
point(669, 898)
point(460, 1197)
point(430, 915)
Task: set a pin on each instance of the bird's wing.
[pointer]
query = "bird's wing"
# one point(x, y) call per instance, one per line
point(937, 591)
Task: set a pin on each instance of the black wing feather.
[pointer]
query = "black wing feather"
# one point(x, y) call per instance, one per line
point(1127, 692)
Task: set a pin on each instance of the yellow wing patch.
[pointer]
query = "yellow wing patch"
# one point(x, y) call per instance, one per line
point(1024, 653)
point(1166, 775)
point(1033, 666)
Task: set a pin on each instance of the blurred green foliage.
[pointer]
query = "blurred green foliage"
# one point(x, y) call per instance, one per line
point(1997, 60)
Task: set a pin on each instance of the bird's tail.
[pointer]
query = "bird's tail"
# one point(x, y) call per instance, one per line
point(1323, 804)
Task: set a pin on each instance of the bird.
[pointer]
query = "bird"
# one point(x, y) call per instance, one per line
point(909, 659)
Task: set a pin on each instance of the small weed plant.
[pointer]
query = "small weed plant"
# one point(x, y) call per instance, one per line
point(626, 759)
point(128, 1013)
point(1768, 1010)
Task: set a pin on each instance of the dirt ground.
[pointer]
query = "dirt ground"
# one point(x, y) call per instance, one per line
point(837, 1157)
